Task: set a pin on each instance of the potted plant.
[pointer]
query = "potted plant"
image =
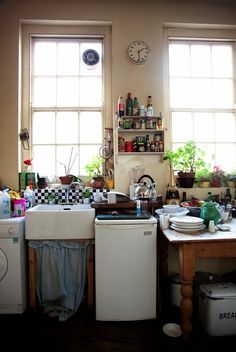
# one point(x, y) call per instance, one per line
point(217, 176)
point(185, 161)
point(230, 178)
point(94, 169)
point(203, 177)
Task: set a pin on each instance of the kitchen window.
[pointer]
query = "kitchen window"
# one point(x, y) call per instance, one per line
point(66, 100)
point(202, 96)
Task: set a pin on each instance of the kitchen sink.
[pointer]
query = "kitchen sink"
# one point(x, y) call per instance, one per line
point(59, 222)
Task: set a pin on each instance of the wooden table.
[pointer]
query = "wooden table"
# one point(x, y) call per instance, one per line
point(190, 247)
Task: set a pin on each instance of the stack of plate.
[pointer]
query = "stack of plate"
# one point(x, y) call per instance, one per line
point(187, 224)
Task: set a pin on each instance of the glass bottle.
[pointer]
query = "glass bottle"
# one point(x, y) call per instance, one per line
point(149, 107)
point(121, 106)
point(135, 107)
point(129, 105)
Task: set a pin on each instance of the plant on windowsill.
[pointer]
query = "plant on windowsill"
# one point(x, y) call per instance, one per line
point(217, 176)
point(94, 169)
point(186, 160)
point(230, 179)
point(203, 177)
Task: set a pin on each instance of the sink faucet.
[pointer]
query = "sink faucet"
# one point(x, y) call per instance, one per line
point(76, 185)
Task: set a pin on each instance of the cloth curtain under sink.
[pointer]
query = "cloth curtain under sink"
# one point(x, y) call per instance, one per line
point(61, 274)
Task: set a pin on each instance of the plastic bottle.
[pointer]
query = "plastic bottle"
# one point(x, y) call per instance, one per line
point(138, 207)
point(149, 107)
point(28, 195)
point(135, 107)
point(129, 105)
point(5, 205)
point(121, 106)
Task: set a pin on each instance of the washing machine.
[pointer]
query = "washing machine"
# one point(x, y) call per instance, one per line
point(13, 267)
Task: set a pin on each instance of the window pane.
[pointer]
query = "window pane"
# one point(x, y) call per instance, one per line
point(90, 127)
point(225, 127)
point(182, 124)
point(91, 91)
point(204, 127)
point(225, 155)
point(222, 53)
point(67, 127)
point(44, 128)
point(180, 92)
point(44, 160)
point(201, 93)
point(86, 154)
point(67, 160)
point(68, 92)
point(68, 54)
point(223, 93)
point(44, 58)
point(179, 60)
point(44, 92)
point(201, 60)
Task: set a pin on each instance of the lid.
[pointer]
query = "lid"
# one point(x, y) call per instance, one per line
point(219, 290)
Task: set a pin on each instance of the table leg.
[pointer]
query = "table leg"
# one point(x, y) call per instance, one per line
point(187, 262)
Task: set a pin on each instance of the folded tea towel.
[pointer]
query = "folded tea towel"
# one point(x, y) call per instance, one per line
point(61, 273)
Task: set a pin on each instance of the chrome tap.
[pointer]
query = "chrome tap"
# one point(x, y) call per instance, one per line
point(76, 185)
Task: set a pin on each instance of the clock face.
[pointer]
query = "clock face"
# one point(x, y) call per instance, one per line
point(138, 52)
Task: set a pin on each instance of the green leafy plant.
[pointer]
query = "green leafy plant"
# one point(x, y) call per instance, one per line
point(94, 168)
point(203, 174)
point(187, 158)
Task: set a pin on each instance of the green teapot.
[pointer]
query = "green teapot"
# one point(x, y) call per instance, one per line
point(210, 211)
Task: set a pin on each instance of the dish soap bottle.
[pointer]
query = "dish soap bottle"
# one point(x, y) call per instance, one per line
point(28, 195)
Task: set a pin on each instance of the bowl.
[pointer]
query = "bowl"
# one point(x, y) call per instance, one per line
point(171, 208)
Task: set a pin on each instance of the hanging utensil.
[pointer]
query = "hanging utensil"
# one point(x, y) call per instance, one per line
point(24, 137)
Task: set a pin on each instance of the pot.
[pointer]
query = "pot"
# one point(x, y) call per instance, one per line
point(144, 191)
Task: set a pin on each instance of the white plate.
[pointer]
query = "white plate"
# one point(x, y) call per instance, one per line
point(187, 230)
point(172, 330)
point(192, 227)
point(190, 220)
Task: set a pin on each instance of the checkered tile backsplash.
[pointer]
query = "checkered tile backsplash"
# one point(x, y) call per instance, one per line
point(60, 195)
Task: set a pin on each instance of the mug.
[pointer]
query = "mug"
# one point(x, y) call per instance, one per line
point(164, 221)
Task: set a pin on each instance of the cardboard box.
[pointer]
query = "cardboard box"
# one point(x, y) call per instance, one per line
point(217, 308)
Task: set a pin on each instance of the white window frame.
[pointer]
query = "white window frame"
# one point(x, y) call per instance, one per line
point(188, 32)
point(29, 29)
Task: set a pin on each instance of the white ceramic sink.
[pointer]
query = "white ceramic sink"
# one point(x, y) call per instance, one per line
point(57, 221)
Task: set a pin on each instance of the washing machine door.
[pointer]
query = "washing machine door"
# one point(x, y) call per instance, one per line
point(3, 264)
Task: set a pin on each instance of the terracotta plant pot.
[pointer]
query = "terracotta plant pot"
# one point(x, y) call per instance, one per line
point(98, 182)
point(66, 180)
point(186, 179)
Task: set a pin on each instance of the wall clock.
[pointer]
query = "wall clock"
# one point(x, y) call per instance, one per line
point(138, 52)
point(90, 57)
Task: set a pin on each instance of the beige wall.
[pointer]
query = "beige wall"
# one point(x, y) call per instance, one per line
point(131, 20)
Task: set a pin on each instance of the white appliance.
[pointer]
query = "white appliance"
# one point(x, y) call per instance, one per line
point(12, 266)
point(125, 269)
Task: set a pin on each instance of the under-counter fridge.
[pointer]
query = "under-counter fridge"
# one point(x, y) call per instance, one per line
point(125, 269)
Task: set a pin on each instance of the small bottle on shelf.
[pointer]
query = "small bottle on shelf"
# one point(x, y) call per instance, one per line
point(149, 107)
point(121, 106)
point(129, 105)
point(135, 107)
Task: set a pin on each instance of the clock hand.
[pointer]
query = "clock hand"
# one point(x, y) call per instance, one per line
point(140, 50)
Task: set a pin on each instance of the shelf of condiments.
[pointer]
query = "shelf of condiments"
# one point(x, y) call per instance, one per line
point(141, 144)
point(131, 115)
